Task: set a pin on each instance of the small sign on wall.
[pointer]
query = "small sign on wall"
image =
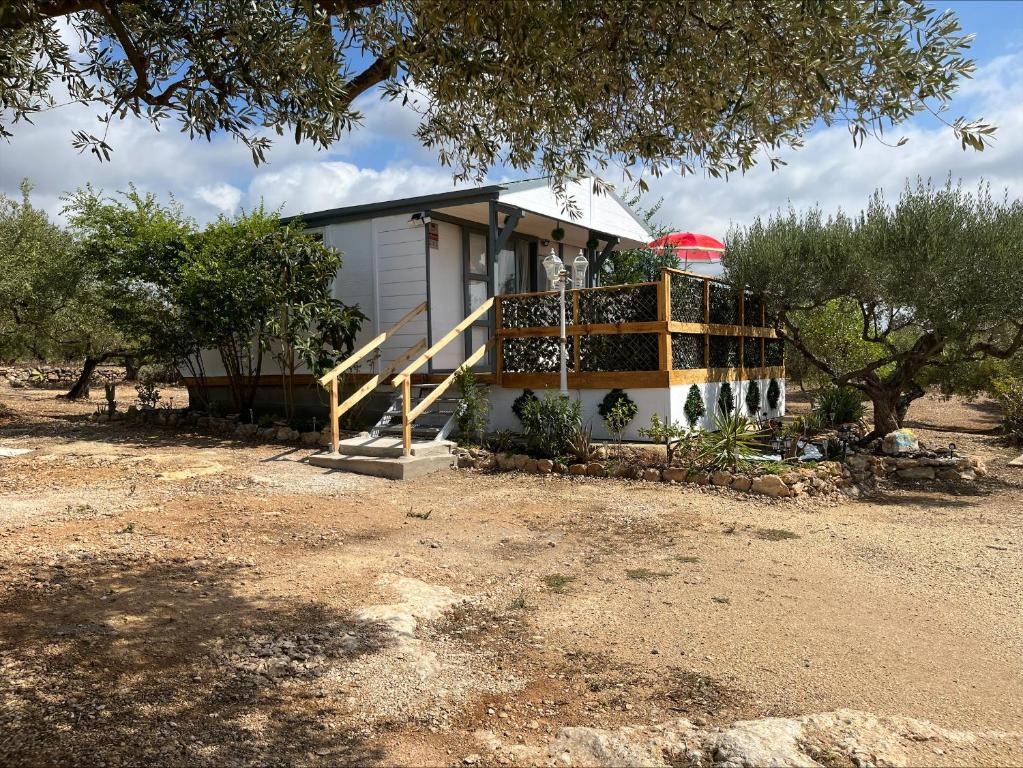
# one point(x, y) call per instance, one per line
point(434, 235)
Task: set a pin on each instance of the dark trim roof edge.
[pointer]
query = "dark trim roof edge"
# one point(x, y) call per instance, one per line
point(395, 207)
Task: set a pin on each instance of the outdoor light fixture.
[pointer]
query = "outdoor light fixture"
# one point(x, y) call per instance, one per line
point(845, 437)
point(776, 444)
point(951, 450)
point(579, 266)
point(421, 217)
point(557, 276)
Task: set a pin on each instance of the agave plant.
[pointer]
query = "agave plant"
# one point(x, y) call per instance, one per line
point(733, 441)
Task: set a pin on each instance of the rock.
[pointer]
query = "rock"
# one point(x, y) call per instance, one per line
point(595, 469)
point(915, 473)
point(466, 462)
point(577, 469)
point(245, 430)
point(979, 467)
point(948, 475)
point(621, 470)
point(721, 477)
point(544, 466)
point(742, 483)
point(770, 485)
point(310, 438)
point(652, 474)
point(858, 461)
point(899, 442)
point(519, 461)
point(674, 475)
point(969, 475)
point(529, 465)
point(790, 478)
point(560, 468)
point(600, 454)
point(698, 478)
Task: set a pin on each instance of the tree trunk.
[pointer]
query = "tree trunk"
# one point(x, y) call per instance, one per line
point(131, 368)
point(81, 387)
point(886, 412)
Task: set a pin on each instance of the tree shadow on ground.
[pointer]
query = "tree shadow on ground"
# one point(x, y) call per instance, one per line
point(112, 661)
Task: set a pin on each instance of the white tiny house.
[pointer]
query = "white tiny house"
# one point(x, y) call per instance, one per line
point(459, 276)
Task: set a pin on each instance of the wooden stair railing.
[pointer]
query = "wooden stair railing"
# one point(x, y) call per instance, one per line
point(404, 378)
point(329, 379)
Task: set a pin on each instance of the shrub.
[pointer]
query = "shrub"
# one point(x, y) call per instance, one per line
point(732, 442)
point(148, 394)
point(753, 398)
point(1009, 393)
point(527, 396)
point(550, 424)
point(581, 444)
point(694, 407)
point(773, 394)
point(726, 400)
point(669, 434)
point(617, 410)
point(613, 398)
point(473, 411)
point(838, 405)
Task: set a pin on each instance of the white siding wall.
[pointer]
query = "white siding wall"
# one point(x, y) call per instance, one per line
point(356, 281)
point(401, 281)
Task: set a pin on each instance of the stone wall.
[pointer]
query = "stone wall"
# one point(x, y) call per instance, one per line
point(923, 466)
point(56, 376)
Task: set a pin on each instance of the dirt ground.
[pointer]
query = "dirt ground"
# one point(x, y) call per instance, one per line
point(186, 600)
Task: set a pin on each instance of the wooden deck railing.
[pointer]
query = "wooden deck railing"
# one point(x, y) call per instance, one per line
point(330, 378)
point(682, 328)
point(404, 378)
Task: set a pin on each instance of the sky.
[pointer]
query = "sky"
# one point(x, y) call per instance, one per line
point(381, 160)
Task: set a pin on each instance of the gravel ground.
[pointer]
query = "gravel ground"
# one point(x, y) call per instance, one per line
point(185, 600)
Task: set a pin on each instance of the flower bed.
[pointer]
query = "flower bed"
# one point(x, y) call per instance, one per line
point(822, 479)
point(860, 473)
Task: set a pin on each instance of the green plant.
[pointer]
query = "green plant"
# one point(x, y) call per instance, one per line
point(520, 402)
point(668, 434)
point(1009, 393)
point(549, 424)
point(148, 394)
point(733, 440)
point(694, 408)
point(773, 394)
point(617, 410)
point(838, 405)
point(558, 234)
point(775, 534)
point(645, 574)
point(558, 582)
point(753, 398)
point(726, 399)
point(581, 444)
point(473, 411)
point(501, 441)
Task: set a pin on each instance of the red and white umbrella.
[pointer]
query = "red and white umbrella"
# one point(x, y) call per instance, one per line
point(690, 246)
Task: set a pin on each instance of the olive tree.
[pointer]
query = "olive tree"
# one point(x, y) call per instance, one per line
point(559, 87)
point(937, 275)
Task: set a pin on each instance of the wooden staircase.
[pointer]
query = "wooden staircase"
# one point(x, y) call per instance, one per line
point(410, 438)
point(436, 422)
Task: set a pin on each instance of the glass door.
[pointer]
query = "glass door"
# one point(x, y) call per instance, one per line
point(477, 290)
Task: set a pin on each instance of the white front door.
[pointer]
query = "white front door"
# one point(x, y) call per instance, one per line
point(446, 292)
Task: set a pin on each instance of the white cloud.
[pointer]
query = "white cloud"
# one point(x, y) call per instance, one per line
point(306, 187)
point(830, 172)
point(224, 197)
